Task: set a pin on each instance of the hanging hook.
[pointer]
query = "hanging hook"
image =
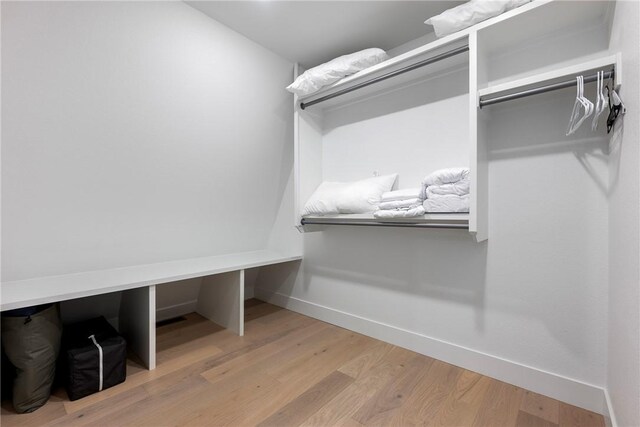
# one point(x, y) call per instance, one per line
point(616, 106)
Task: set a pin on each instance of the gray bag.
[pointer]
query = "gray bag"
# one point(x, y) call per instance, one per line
point(32, 343)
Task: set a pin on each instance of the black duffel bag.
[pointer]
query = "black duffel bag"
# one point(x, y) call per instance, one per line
point(95, 357)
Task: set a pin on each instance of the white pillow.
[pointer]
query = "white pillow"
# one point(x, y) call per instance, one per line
point(348, 197)
point(325, 74)
point(470, 13)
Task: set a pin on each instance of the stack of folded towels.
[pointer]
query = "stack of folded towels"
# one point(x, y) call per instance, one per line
point(446, 190)
point(400, 204)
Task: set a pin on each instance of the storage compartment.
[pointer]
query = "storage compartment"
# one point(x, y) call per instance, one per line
point(549, 36)
point(93, 357)
point(411, 129)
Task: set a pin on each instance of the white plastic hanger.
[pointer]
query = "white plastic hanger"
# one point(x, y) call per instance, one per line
point(585, 103)
point(600, 101)
point(588, 106)
point(575, 113)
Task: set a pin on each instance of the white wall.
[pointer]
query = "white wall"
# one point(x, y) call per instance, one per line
point(410, 131)
point(623, 351)
point(135, 132)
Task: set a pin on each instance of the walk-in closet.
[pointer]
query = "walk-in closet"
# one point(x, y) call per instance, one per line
point(320, 213)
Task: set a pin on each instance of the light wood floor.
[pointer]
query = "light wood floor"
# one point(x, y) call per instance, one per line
point(291, 370)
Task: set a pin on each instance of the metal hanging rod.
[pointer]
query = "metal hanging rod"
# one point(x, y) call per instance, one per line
point(542, 89)
point(386, 224)
point(389, 75)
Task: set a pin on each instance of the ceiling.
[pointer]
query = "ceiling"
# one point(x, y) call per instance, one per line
point(312, 32)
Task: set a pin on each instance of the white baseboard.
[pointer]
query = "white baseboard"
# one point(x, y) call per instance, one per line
point(608, 414)
point(176, 310)
point(565, 389)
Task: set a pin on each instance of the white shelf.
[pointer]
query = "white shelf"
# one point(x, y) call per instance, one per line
point(24, 293)
point(551, 77)
point(456, 220)
point(528, 47)
point(394, 64)
point(452, 41)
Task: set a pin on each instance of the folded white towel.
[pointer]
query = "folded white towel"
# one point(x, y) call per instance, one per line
point(399, 213)
point(408, 193)
point(449, 203)
point(400, 204)
point(459, 188)
point(445, 176)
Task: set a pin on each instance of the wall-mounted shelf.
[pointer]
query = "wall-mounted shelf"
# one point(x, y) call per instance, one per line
point(435, 48)
point(530, 48)
point(439, 220)
point(393, 73)
point(551, 79)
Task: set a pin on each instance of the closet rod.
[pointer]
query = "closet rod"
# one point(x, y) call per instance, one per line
point(386, 224)
point(389, 75)
point(542, 89)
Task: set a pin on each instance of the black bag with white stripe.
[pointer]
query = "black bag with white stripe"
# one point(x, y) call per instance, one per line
point(95, 357)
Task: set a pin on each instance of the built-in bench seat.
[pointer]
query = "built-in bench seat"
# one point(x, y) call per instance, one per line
point(221, 296)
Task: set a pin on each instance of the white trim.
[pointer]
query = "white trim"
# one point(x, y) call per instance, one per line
point(176, 310)
point(150, 327)
point(608, 414)
point(565, 389)
point(296, 153)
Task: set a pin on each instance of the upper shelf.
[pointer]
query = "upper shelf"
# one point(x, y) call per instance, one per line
point(427, 61)
point(356, 87)
point(532, 21)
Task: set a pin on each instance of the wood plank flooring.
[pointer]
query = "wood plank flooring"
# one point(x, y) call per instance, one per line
point(291, 370)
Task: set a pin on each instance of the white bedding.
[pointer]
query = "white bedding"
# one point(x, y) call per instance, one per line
point(348, 197)
point(330, 72)
point(407, 193)
point(399, 213)
point(445, 176)
point(470, 13)
point(449, 204)
point(400, 204)
point(459, 188)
